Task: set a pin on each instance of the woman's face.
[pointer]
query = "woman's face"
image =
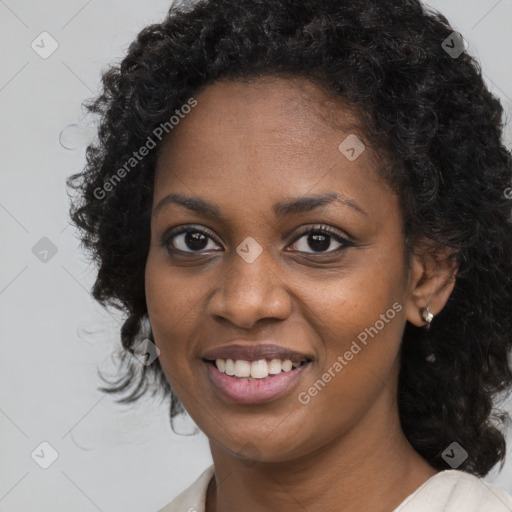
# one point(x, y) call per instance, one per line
point(258, 287)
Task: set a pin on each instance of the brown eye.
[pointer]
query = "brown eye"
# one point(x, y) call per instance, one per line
point(189, 239)
point(320, 239)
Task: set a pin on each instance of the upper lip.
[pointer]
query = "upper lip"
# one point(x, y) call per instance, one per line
point(254, 353)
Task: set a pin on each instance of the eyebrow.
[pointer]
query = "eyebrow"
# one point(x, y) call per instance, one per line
point(281, 209)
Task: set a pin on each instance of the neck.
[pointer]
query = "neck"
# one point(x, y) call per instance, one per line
point(371, 467)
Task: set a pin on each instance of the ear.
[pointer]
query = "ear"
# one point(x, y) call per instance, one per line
point(432, 275)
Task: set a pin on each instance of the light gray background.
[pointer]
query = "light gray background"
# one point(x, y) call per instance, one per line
point(53, 336)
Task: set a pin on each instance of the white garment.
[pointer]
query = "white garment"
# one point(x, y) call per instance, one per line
point(447, 491)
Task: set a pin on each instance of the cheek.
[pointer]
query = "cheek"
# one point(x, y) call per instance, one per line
point(345, 306)
point(360, 345)
point(359, 320)
point(359, 365)
point(171, 307)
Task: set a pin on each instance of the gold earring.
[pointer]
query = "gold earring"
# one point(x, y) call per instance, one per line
point(427, 316)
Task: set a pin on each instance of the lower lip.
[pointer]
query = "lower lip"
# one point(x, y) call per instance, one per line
point(256, 391)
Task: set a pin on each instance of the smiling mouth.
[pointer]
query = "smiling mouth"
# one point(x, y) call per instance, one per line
point(256, 370)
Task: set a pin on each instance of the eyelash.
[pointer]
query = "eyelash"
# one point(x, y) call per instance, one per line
point(322, 229)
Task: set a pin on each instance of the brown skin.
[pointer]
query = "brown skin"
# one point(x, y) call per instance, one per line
point(245, 147)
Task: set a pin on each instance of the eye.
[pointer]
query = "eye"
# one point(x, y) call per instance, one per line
point(188, 239)
point(319, 239)
point(193, 239)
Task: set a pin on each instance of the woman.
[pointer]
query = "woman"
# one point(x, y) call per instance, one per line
point(302, 208)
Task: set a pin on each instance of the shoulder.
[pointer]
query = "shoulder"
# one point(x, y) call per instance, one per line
point(455, 491)
point(193, 498)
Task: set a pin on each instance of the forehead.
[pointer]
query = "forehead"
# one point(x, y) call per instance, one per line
point(287, 97)
point(274, 115)
point(269, 137)
point(267, 103)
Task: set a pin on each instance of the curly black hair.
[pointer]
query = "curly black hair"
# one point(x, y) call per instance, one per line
point(426, 109)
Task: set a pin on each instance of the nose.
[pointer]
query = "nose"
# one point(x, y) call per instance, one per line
point(249, 292)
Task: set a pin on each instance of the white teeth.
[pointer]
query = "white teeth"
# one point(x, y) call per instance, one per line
point(242, 368)
point(274, 367)
point(254, 369)
point(286, 365)
point(230, 366)
point(259, 369)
